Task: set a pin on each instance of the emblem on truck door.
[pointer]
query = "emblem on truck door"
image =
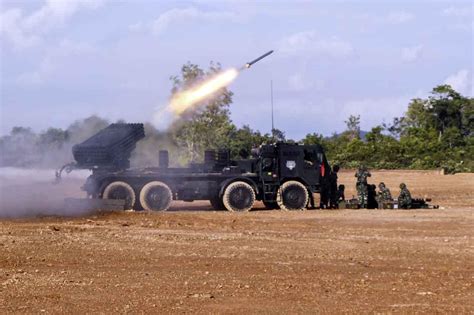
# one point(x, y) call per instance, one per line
point(290, 164)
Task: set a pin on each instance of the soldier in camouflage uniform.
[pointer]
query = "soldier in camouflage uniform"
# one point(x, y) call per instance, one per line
point(361, 185)
point(333, 202)
point(404, 199)
point(384, 193)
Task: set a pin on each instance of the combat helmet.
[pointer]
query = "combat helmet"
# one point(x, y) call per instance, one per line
point(403, 186)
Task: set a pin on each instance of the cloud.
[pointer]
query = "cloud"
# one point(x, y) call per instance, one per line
point(297, 82)
point(54, 56)
point(10, 29)
point(366, 19)
point(184, 15)
point(399, 17)
point(374, 111)
point(457, 11)
point(309, 42)
point(410, 54)
point(27, 30)
point(461, 81)
point(38, 76)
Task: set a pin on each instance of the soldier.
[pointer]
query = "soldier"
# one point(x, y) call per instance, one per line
point(362, 174)
point(404, 199)
point(340, 193)
point(372, 197)
point(384, 193)
point(333, 187)
point(325, 187)
point(325, 192)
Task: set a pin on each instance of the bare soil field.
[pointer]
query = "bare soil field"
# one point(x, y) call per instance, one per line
point(194, 260)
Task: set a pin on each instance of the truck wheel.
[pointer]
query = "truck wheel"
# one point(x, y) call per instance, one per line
point(292, 195)
point(239, 196)
point(156, 196)
point(120, 190)
point(217, 203)
point(271, 205)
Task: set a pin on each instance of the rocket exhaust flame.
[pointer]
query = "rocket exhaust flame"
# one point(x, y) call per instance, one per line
point(191, 98)
point(182, 101)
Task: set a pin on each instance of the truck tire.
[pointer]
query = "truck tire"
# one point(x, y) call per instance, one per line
point(239, 197)
point(271, 205)
point(156, 196)
point(292, 195)
point(217, 203)
point(120, 190)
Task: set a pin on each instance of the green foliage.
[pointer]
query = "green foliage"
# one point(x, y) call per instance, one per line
point(243, 140)
point(436, 132)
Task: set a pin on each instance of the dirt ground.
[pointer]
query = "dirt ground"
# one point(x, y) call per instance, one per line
point(199, 261)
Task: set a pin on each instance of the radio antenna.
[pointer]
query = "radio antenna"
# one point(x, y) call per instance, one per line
point(271, 102)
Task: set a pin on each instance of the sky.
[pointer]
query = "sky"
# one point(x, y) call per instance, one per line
point(66, 60)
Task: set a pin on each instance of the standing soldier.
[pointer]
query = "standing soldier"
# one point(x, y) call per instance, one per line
point(384, 194)
point(340, 194)
point(325, 193)
point(404, 199)
point(362, 191)
point(333, 187)
point(372, 202)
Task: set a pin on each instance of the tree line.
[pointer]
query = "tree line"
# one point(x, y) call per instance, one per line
point(435, 132)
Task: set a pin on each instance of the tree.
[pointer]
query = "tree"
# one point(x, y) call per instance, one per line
point(444, 108)
point(53, 138)
point(278, 135)
point(438, 131)
point(19, 148)
point(244, 139)
point(313, 138)
point(208, 126)
point(353, 126)
point(82, 129)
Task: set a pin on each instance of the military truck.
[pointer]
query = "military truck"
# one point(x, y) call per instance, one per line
point(281, 175)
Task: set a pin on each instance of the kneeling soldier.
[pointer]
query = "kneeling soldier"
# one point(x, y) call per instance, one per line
point(404, 199)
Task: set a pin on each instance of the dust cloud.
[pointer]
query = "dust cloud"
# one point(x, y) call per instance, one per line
point(32, 192)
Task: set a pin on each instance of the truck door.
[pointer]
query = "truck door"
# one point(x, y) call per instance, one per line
point(268, 169)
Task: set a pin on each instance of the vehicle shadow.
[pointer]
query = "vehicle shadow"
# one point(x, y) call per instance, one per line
point(204, 206)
